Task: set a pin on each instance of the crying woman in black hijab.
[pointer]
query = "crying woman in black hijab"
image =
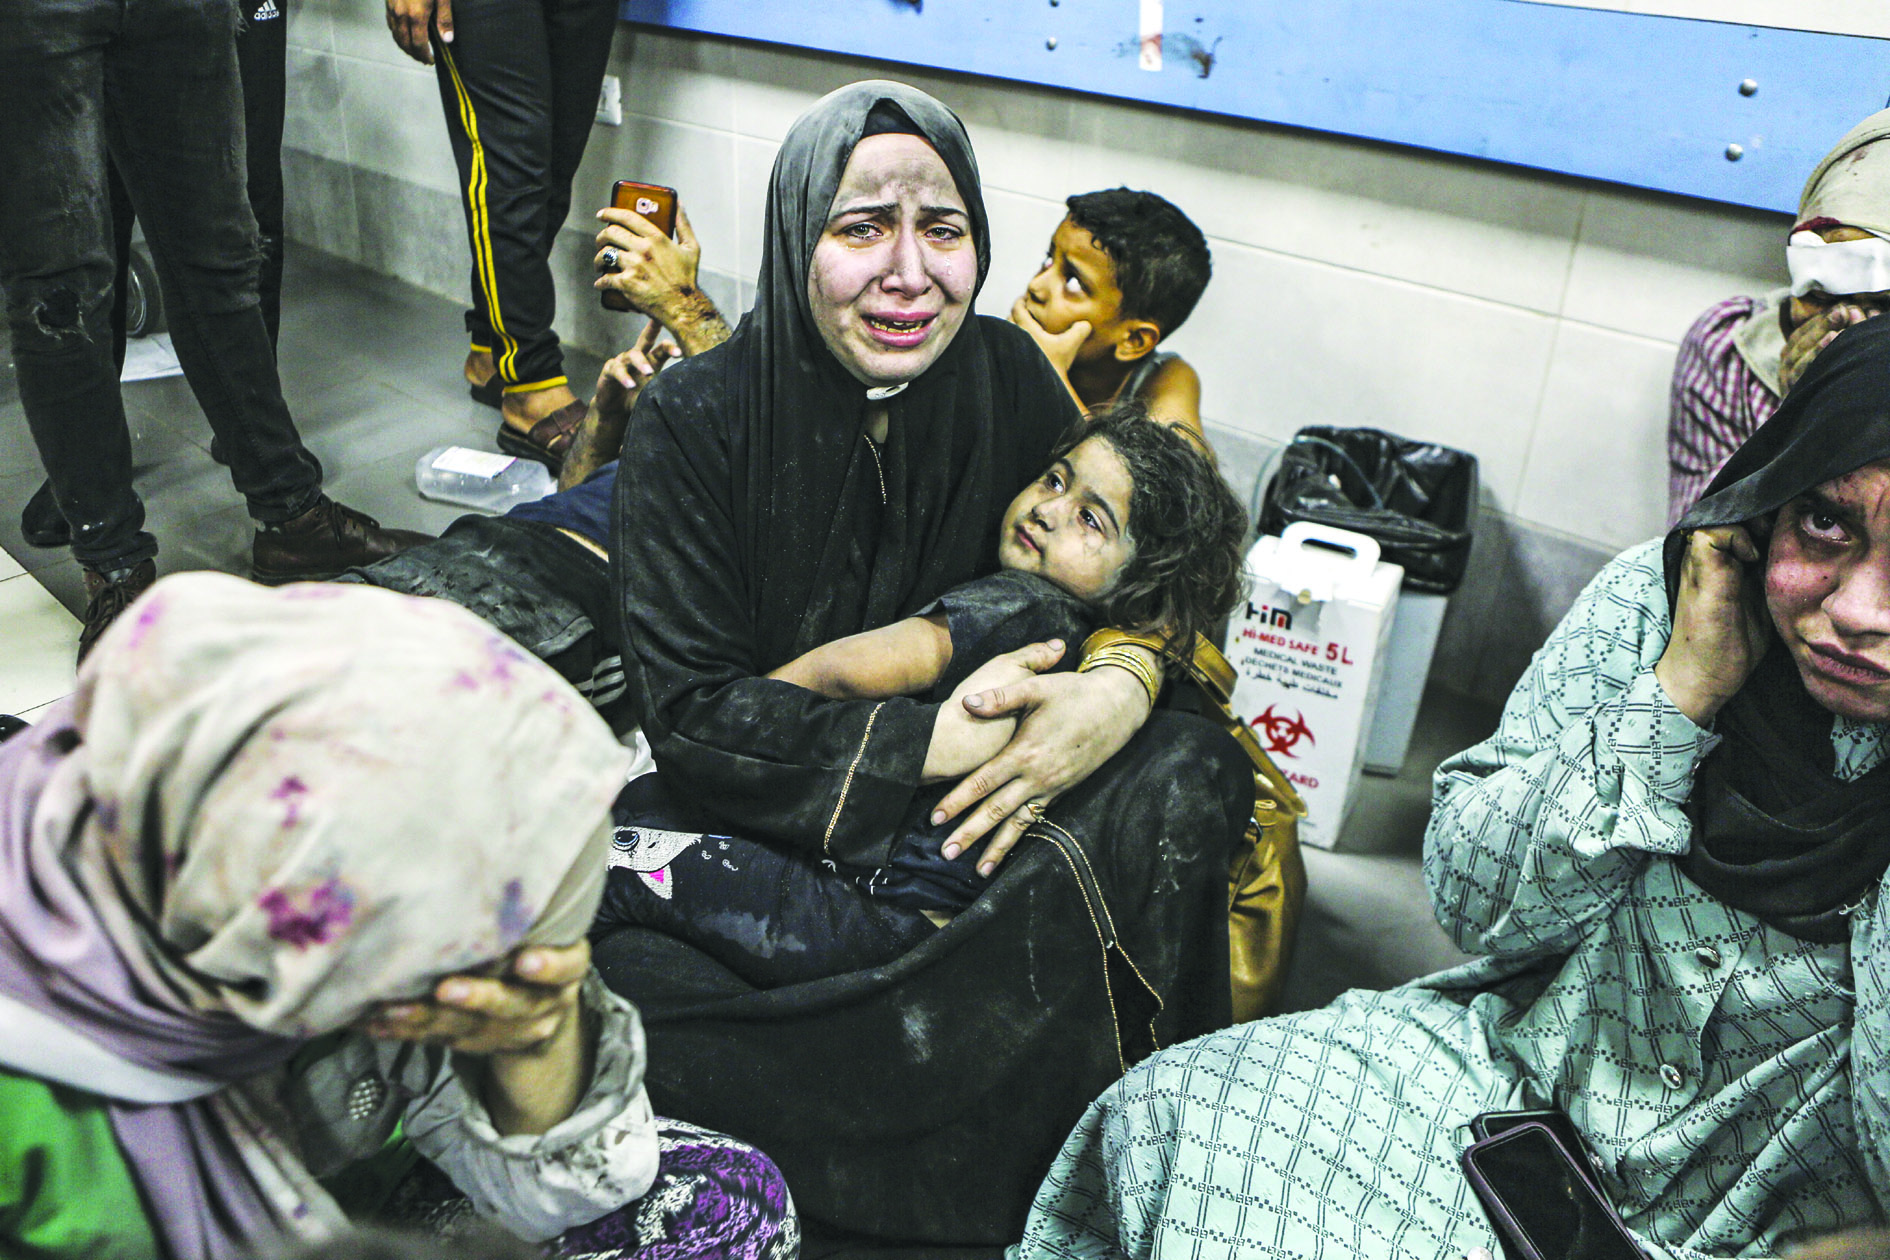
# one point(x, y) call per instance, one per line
point(839, 464)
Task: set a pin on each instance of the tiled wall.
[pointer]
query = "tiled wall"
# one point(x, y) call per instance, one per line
point(1527, 317)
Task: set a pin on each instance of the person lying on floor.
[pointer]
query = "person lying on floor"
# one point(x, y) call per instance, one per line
point(260, 905)
point(1130, 526)
point(541, 572)
point(1670, 857)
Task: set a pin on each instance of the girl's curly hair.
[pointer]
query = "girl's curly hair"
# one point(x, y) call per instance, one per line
point(1189, 531)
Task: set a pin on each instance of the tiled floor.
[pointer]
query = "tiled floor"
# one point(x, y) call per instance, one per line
point(370, 368)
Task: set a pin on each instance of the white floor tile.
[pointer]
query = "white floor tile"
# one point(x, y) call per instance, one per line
point(40, 636)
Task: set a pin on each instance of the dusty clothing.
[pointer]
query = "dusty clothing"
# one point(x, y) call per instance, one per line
point(1684, 943)
point(208, 858)
point(774, 916)
point(1706, 1058)
point(759, 526)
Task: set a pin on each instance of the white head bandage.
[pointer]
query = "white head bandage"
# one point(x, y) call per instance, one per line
point(1840, 267)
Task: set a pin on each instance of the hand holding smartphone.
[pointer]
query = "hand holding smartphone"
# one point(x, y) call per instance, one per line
point(655, 203)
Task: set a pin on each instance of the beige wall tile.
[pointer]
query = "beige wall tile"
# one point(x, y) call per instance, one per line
point(1598, 466)
point(1647, 263)
point(311, 26)
point(680, 78)
point(1474, 228)
point(1282, 342)
point(314, 121)
point(698, 163)
point(360, 32)
point(395, 124)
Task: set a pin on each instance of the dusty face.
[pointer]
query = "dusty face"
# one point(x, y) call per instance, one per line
point(1800, 309)
point(1827, 586)
point(1071, 525)
point(1078, 282)
point(894, 272)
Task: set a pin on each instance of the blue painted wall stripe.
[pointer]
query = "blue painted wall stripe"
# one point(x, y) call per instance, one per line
point(1630, 98)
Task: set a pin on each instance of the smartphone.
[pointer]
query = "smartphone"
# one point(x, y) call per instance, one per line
point(1542, 1200)
point(1491, 1123)
point(655, 203)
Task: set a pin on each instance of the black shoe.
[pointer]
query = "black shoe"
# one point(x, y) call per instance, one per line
point(108, 594)
point(42, 522)
point(323, 543)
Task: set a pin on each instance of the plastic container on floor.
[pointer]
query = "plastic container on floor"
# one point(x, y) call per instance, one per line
point(1308, 652)
point(481, 479)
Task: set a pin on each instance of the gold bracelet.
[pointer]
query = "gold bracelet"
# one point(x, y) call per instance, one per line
point(1109, 636)
point(1126, 659)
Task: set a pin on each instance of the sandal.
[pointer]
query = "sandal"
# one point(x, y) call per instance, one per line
point(548, 440)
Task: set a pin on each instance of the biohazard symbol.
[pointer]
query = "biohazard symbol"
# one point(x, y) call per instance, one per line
point(1283, 735)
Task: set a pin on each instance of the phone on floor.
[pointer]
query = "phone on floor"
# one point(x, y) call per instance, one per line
point(655, 203)
point(1541, 1198)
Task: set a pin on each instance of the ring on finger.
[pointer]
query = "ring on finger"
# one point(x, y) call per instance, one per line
point(1033, 810)
point(608, 259)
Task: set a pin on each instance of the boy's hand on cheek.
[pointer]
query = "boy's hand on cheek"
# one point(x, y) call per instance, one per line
point(1059, 348)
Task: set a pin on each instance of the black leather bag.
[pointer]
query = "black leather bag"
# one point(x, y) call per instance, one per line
point(1415, 498)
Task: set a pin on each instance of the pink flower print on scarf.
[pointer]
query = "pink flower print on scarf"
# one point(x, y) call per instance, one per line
point(324, 914)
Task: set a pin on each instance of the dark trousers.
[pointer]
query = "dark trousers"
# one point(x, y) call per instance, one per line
point(155, 84)
point(772, 917)
point(520, 83)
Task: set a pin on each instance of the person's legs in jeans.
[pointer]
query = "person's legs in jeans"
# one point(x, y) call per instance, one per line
point(56, 268)
point(577, 40)
point(262, 49)
point(262, 46)
point(174, 110)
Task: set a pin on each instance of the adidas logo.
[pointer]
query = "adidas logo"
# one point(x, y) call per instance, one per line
point(268, 11)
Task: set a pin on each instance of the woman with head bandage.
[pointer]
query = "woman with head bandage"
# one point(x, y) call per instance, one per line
point(1740, 357)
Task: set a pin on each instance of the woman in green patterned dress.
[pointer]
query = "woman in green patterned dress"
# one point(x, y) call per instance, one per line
point(1668, 857)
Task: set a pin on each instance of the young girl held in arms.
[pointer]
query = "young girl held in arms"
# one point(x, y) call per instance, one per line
point(1131, 526)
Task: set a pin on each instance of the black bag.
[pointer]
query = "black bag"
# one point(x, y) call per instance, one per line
point(1415, 498)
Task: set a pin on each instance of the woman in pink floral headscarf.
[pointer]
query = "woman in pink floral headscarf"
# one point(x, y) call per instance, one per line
point(256, 882)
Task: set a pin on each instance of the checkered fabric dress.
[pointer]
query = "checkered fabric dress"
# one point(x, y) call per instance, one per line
point(1708, 1060)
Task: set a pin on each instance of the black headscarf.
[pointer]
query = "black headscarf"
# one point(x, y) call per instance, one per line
point(751, 524)
point(1776, 832)
point(948, 468)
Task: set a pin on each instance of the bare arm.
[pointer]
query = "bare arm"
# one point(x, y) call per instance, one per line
point(1174, 398)
point(1059, 348)
point(530, 1045)
point(601, 435)
point(1069, 724)
point(897, 660)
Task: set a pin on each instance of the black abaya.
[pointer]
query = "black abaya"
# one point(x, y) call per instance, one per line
point(920, 1101)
